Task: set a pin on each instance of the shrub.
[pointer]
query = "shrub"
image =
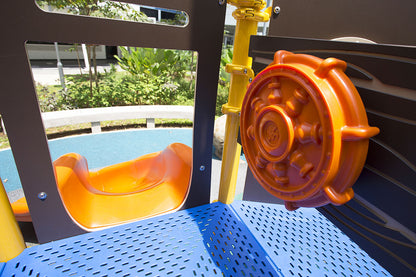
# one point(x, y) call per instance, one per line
point(165, 75)
point(51, 98)
point(224, 80)
point(121, 88)
point(153, 77)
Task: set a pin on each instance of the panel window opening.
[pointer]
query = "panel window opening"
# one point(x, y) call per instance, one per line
point(80, 90)
point(117, 11)
point(79, 76)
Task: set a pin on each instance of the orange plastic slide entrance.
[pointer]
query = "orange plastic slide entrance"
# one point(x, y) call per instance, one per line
point(149, 185)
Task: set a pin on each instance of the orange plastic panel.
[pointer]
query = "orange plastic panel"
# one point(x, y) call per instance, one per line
point(21, 210)
point(304, 130)
point(149, 185)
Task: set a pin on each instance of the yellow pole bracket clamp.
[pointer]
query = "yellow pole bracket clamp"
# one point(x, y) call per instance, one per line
point(228, 109)
point(258, 4)
point(240, 70)
point(252, 14)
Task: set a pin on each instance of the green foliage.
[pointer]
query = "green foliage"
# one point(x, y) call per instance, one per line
point(51, 98)
point(180, 20)
point(224, 80)
point(97, 8)
point(4, 141)
point(155, 62)
point(166, 75)
point(226, 58)
point(151, 77)
point(222, 98)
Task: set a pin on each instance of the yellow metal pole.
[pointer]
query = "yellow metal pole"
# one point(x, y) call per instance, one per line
point(11, 239)
point(247, 14)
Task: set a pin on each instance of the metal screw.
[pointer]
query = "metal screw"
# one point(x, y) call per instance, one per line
point(276, 10)
point(42, 195)
point(250, 80)
point(202, 168)
point(221, 2)
point(245, 70)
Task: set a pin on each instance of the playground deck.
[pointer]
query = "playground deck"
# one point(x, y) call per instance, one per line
point(241, 239)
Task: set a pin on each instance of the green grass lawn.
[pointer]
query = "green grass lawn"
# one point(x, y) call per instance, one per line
point(4, 142)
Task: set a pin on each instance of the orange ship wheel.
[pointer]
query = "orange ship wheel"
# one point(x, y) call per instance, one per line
point(304, 130)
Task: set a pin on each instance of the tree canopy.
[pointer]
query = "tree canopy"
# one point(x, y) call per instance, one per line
point(97, 8)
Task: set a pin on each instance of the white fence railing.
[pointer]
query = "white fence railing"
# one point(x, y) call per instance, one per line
point(96, 115)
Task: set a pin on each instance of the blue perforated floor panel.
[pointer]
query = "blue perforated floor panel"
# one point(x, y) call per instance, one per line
point(242, 239)
point(304, 242)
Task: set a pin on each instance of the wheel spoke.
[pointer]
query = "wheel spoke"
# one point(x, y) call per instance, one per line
point(275, 95)
point(299, 161)
point(306, 133)
point(279, 172)
point(294, 105)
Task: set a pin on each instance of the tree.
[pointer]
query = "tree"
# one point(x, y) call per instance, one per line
point(96, 8)
point(180, 19)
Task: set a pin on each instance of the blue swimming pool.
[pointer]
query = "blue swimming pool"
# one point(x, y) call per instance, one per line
point(101, 149)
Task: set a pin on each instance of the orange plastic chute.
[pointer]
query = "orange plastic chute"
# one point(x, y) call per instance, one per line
point(21, 210)
point(147, 186)
point(304, 130)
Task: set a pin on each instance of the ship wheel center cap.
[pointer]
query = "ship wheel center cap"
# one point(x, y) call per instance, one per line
point(275, 133)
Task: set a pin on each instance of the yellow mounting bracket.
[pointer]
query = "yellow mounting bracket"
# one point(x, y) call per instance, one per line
point(258, 4)
point(252, 14)
point(247, 14)
point(227, 109)
point(240, 70)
